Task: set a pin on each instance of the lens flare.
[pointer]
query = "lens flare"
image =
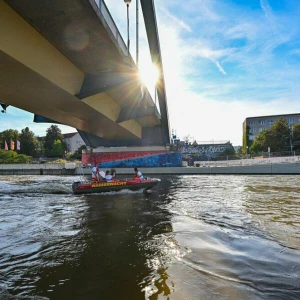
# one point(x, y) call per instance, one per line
point(149, 75)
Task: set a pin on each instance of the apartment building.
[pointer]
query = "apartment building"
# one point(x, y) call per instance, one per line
point(73, 141)
point(258, 124)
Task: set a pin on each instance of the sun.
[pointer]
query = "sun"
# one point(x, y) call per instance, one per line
point(149, 75)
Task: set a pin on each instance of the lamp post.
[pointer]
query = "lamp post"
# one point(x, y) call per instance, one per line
point(246, 152)
point(137, 33)
point(127, 2)
point(291, 138)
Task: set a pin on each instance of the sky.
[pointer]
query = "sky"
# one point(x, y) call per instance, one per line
point(223, 61)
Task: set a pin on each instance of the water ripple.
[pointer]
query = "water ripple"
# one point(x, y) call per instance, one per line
point(194, 237)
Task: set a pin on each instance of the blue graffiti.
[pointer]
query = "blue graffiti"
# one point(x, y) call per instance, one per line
point(171, 159)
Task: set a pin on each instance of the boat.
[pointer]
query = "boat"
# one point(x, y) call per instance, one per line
point(134, 184)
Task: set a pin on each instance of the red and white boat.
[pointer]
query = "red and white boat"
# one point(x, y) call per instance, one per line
point(114, 185)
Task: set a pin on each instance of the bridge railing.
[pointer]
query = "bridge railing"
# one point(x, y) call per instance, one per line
point(248, 162)
point(111, 24)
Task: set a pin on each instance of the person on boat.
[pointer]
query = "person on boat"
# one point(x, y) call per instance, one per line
point(95, 173)
point(101, 175)
point(138, 174)
point(113, 172)
point(108, 175)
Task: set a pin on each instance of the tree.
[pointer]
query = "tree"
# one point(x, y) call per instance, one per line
point(53, 134)
point(28, 142)
point(229, 151)
point(57, 149)
point(78, 153)
point(296, 136)
point(40, 147)
point(8, 135)
point(246, 139)
point(262, 142)
point(276, 137)
point(12, 157)
point(239, 151)
point(281, 135)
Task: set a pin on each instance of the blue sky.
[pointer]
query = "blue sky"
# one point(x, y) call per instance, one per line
point(223, 61)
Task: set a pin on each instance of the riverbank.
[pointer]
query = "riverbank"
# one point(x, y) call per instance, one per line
point(39, 169)
point(74, 169)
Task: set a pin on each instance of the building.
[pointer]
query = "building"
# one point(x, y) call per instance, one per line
point(206, 151)
point(258, 124)
point(73, 141)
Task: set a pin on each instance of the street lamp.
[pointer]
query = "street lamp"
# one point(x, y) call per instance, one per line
point(4, 106)
point(137, 33)
point(291, 138)
point(247, 152)
point(127, 2)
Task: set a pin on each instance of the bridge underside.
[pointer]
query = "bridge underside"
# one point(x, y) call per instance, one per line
point(59, 60)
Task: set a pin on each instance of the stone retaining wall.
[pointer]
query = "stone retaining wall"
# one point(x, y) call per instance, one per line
point(268, 169)
point(38, 169)
point(60, 169)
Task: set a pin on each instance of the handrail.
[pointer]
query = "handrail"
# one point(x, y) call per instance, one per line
point(247, 162)
point(112, 25)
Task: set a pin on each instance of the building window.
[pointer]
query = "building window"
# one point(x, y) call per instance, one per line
point(252, 130)
point(250, 123)
point(261, 129)
point(291, 120)
point(251, 137)
point(262, 122)
point(270, 122)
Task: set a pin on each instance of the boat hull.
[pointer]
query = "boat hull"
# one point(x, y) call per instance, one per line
point(113, 186)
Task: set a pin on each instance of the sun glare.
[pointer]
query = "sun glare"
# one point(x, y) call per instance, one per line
point(149, 75)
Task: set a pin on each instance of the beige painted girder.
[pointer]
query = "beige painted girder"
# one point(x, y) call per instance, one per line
point(22, 42)
point(36, 77)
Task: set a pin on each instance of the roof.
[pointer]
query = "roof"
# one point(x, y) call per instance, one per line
point(66, 136)
point(273, 116)
point(69, 135)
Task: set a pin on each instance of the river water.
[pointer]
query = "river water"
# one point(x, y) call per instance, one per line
point(193, 237)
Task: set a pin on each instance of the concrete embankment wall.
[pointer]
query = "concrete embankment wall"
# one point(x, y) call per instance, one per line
point(73, 169)
point(269, 169)
point(38, 169)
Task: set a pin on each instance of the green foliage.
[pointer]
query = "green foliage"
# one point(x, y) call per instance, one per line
point(12, 157)
point(8, 135)
point(228, 152)
point(52, 145)
point(53, 134)
point(57, 149)
point(29, 143)
point(40, 147)
point(277, 137)
point(239, 151)
point(246, 139)
point(23, 159)
point(78, 153)
point(296, 136)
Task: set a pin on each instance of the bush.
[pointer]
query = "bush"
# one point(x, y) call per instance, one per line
point(12, 157)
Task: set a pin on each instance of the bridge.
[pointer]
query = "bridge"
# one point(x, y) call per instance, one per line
point(66, 62)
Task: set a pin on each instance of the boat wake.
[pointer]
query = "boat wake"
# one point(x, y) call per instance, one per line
point(41, 188)
point(120, 192)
